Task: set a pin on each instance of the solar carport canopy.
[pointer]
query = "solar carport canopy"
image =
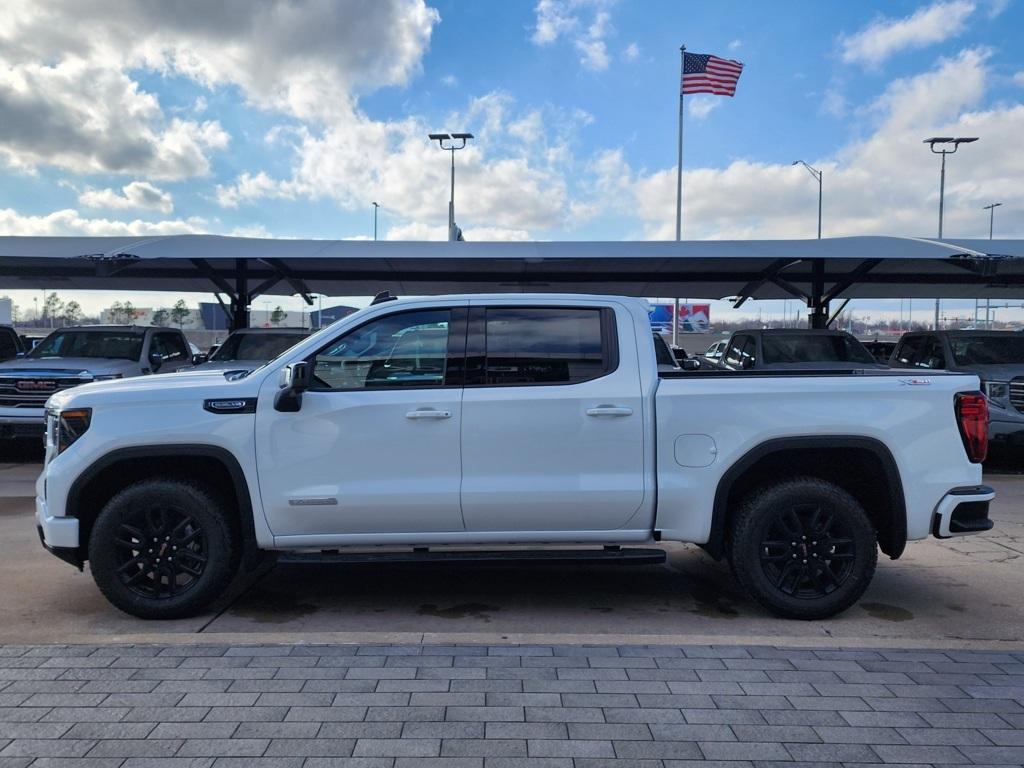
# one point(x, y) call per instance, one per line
point(815, 270)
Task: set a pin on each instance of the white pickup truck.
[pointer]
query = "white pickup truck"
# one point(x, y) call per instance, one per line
point(475, 422)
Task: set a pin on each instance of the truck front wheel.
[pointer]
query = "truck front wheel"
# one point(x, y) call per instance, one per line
point(803, 548)
point(162, 549)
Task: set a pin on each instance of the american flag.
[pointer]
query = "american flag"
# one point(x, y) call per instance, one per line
point(703, 73)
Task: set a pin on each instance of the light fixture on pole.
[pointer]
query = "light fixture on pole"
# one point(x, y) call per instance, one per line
point(375, 207)
point(991, 208)
point(956, 142)
point(447, 142)
point(817, 175)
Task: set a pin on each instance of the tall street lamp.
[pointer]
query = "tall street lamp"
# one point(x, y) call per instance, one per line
point(943, 142)
point(375, 207)
point(991, 208)
point(817, 175)
point(447, 142)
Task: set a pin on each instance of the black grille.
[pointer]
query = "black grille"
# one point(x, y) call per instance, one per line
point(1017, 394)
point(33, 391)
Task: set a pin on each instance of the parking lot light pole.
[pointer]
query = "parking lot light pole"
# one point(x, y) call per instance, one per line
point(991, 208)
point(817, 175)
point(447, 142)
point(942, 141)
point(375, 207)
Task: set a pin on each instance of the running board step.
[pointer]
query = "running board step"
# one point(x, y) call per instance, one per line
point(614, 556)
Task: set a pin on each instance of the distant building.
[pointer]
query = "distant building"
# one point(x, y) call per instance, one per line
point(6, 310)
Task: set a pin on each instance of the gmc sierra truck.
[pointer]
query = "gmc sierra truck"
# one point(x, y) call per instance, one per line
point(79, 355)
point(474, 422)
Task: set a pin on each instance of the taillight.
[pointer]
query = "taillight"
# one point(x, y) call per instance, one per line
point(972, 416)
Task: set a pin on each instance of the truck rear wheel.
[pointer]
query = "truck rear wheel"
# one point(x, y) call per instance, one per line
point(803, 548)
point(163, 549)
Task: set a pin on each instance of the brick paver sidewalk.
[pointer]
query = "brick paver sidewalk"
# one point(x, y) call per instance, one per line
point(474, 705)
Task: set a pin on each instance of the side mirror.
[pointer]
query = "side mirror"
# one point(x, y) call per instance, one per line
point(690, 364)
point(199, 359)
point(155, 361)
point(294, 380)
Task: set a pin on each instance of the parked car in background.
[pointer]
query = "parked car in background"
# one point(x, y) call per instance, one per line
point(880, 350)
point(81, 355)
point(995, 357)
point(248, 348)
point(715, 351)
point(792, 349)
point(11, 344)
point(492, 422)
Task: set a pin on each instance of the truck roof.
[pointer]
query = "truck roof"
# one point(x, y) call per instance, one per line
point(130, 328)
point(552, 298)
point(796, 331)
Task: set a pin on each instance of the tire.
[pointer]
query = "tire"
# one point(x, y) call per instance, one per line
point(833, 559)
point(192, 556)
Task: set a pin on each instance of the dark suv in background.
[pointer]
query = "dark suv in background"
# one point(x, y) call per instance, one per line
point(996, 357)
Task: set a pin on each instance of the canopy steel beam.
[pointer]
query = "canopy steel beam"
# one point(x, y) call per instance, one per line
point(837, 313)
point(294, 280)
point(747, 291)
point(851, 279)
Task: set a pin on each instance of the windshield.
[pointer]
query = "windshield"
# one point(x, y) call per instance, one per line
point(255, 346)
point(987, 350)
point(121, 345)
point(802, 348)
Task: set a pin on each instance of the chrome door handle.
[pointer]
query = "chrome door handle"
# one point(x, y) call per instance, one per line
point(428, 413)
point(610, 410)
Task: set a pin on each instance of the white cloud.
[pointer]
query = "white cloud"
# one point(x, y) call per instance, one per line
point(735, 45)
point(70, 96)
point(1018, 78)
point(249, 187)
point(88, 118)
point(833, 102)
point(631, 52)
point(137, 194)
point(450, 80)
point(700, 107)
point(887, 36)
point(420, 231)
point(71, 222)
point(566, 19)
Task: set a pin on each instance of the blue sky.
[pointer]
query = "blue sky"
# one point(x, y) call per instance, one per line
point(288, 119)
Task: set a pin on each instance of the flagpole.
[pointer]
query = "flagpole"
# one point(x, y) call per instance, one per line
point(679, 185)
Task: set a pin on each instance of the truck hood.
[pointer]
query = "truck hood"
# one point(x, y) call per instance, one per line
point(61, 366)
point(1004, 372)
point(163, 388)
point(226, 365)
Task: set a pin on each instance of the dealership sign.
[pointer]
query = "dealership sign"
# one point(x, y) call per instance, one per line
point(693, 318)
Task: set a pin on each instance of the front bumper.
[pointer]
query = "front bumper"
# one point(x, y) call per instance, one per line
point(22, 422)
point(1010, 432)
point(962, 512)
point(59, 535)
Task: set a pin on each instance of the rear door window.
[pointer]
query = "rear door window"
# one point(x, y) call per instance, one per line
point(546, 345)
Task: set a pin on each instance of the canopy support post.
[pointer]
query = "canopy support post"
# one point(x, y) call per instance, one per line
point(241, 298)
point(817, 302)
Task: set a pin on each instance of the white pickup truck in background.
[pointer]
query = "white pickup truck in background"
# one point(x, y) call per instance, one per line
point(476, 422)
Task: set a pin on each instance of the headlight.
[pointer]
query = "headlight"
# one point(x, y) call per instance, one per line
point(995, 390)
point(108, 376)
point(71, 425)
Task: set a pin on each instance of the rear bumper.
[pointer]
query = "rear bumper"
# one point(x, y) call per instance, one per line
point(59, 535)
point(962, 512)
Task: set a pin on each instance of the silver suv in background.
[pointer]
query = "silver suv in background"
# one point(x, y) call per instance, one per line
point(81, 355)
point(248, 348)
point(995, 357)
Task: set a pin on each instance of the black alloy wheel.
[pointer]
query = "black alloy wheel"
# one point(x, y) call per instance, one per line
point(161, 552)
point(807, 552)
point(164, 548)
point(803, 547)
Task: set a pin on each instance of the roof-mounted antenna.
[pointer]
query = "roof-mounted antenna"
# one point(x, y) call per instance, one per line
point(383, 296)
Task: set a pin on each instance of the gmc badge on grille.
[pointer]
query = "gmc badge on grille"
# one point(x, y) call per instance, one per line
point(33, 385)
